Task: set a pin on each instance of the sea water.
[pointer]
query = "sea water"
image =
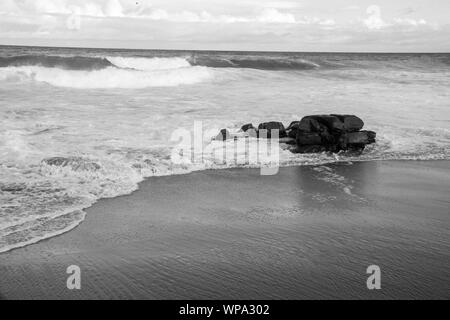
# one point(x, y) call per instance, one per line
point(109, 115)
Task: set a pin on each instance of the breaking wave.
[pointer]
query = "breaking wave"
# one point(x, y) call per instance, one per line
point(66, 63)
point(158, 63)
point(108, 78)
point(131, 72)
point(261, 63)
point(102, 73)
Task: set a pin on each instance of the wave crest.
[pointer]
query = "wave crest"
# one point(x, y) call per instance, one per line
point(261, 63)
point(108, 78)
point(149, 64)
point(66, 63)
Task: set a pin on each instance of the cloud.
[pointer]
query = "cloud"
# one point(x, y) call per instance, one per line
point(272, 15)
point(282, 4)
point(410, 22)
point(318, 21)
point(266, 16)
point(238, 24)
point(114, 9)
point(374, 21)
point(91, 8)
point(270, 12)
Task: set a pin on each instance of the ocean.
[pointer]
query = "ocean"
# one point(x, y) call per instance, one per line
point(109, 115)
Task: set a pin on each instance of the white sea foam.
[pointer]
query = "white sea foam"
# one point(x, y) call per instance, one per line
point(149, 64)
point(108, 78)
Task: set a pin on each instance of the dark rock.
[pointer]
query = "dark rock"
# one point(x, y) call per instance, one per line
point(329, 138)
point(248, 127)
point(351, 123)
point(309, 124)
point(356, 148)
point(293, 129)
point(309, 138)
point(372, 136)
point(293, 125)
point(341, 142)
point(314, 134)
point(288, 140)
point(361, 137)
point(333, 123)
point(223, 135)
point(267, 127)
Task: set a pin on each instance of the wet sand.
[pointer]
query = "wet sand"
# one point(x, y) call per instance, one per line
point(306, 233)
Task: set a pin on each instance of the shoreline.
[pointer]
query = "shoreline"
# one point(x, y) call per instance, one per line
point(240, 235)
point(85, 210)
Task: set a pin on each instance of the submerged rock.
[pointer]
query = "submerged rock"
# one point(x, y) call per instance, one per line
point(75, 163)
point(14, 187)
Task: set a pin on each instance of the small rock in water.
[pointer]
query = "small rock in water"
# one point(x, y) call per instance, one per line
point(247, 127)
point(223, 135)
point(269, 126)
point(250, 130)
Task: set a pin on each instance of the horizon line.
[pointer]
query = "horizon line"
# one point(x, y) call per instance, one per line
point(215, 50)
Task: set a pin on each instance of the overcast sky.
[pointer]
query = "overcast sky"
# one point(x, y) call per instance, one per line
point(304, 25)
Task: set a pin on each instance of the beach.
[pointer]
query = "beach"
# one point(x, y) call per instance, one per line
point(309, 232)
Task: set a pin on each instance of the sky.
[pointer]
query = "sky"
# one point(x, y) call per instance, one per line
point(260, 25)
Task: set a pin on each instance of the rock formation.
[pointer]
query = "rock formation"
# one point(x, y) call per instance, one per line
point(317, 133)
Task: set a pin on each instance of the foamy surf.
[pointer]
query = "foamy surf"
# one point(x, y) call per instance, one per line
point(53, 202)
point(151, 64)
